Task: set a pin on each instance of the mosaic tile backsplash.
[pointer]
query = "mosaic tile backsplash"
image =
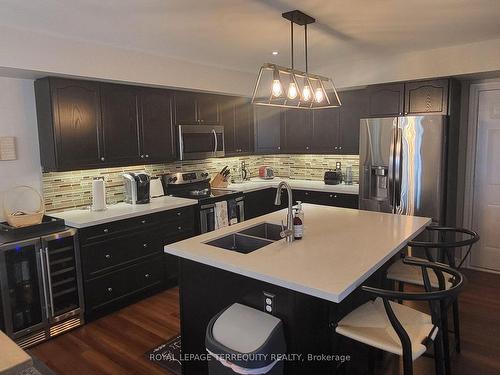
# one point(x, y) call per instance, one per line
point(70, 190)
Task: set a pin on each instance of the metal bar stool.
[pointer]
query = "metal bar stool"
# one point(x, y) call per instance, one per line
point(399, 329)
point(402, 273)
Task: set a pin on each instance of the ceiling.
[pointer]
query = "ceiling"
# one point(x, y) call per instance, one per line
point(241, 34)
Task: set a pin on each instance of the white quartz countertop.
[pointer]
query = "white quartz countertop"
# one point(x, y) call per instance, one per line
point(257, 183)
point(82, 218)
point(340, 249)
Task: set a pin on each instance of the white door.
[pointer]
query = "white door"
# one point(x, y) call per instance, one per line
point(486, 206)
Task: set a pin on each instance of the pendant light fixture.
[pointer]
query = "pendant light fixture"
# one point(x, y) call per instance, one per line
point(314, 92)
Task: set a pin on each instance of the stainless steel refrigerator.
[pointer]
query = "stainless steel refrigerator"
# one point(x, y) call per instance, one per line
point(402, 167)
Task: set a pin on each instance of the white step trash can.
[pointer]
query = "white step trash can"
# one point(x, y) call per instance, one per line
point(243, 340)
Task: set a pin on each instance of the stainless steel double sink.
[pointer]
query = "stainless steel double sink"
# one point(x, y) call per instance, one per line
point(249, 239)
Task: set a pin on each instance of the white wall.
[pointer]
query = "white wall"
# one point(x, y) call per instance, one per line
point(50, 54)
point(464, 59)
point(18, 119)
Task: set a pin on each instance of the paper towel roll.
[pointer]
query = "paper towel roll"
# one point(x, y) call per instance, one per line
point(98, 194)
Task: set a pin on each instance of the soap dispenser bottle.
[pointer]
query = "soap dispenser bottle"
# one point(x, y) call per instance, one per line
point(298, 222)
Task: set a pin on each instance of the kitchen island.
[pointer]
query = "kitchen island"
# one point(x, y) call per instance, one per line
point(314, 281)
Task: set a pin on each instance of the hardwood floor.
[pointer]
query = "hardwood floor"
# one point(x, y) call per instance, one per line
point(116, 343)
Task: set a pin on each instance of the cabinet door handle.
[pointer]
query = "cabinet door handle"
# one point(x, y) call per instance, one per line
point(340, 147)
point(102, 158)
point(307, 147)
point(147, 156)
point(142, 156)
point(336, 148)
point(179, 228)
point(110, 290)
point(143, 221)
point(179, 213)
point(144, 245)
point(279, 148)
point(105, 230)
point(107, 256)
point(147, 276)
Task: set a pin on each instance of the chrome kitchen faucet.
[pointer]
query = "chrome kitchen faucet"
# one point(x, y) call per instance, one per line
point(288, 232)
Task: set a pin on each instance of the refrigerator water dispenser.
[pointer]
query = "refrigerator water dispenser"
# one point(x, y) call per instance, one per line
point(379, 183)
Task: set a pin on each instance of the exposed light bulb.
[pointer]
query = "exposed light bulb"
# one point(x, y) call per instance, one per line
point(306, 93)
point(318, 95)
point(292, 90)
point(277, 90)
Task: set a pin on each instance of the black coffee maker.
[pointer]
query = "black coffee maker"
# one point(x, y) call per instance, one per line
point(136, 187)
point(334, 177)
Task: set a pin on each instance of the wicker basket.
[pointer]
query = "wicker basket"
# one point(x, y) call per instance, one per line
point(20, 218)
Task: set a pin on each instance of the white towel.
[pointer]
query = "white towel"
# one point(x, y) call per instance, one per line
point(221, 218)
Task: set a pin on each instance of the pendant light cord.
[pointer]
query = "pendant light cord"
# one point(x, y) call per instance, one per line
point(305, 38)
point(291, 33)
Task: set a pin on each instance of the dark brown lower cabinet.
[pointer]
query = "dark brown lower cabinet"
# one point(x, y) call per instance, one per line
point(261, 202)
point(123, 261)
point(326, 199)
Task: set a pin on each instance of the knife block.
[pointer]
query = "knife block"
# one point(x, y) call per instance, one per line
point(219, 182)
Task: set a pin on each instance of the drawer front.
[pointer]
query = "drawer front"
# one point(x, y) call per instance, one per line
point(102, 257)
point(176, 228)
point(109, 289)
point(146, 222)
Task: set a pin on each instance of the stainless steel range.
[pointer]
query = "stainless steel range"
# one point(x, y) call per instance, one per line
point(196, 185)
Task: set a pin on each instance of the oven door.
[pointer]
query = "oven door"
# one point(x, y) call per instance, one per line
point(207, 218)
point(207, 215)
point(200, 141)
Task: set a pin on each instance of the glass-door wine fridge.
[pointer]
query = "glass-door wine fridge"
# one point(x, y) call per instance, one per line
point(41, 287)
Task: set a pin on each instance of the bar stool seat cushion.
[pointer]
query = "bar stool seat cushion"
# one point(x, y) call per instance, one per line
point(398, 271)
point(370, 325)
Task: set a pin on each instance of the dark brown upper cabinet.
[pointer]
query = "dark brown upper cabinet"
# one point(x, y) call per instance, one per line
point(236, 115)
point(386, 100)
point(185, 108)
point(297, 131)
point(157, 136)
point(120, 122)
point(207, 109)
point(69, 123)
point(243, 125)
point(227, 120)
point(196, 109)
point(325, 130)
point(354, 108)
point(427, 97)
point(268, 124)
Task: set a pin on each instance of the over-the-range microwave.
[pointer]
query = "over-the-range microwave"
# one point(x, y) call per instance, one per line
point(200, 141)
